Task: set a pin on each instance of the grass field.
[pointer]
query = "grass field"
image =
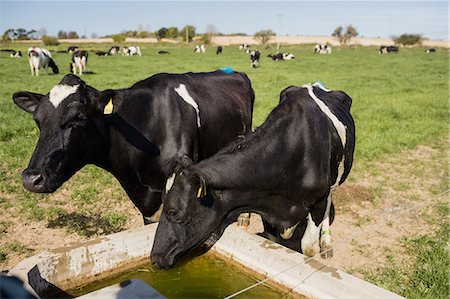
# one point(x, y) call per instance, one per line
point(400, 101)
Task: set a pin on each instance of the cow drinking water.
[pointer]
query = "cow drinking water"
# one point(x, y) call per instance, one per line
point(136, 133)
point(286, 171)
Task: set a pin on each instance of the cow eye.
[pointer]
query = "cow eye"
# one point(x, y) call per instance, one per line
point(74, 121)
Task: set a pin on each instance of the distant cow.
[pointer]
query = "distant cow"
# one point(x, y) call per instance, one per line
point(219, 50)
point(139, 133)
point(114, 50)
point(254, 58)
point(101, 53)
point(200, 49)
point(79, 61)
point(322, 49)
point(431, 50)
point(288, 178)
point(388, 49)
point(281, 56)
point(243, 47)
point(131, 50)
point(72, 49)
point(163, 52)
point(12, 53)
point(41, 58)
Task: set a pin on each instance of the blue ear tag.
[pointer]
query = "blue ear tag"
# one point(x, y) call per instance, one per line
point(227, 70)
point(320, 85)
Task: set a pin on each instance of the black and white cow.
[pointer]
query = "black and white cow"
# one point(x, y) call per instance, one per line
point(72, 49)
point(254, 58)
point(322, 49)
point(388, 49)
point(79, 61)
point(219, 50)
point(114, 50)
point(136, 133)
point(244, 47)
point(200, 49)
point(163, 52)
point(41, 58)
point(288, 178)
point(430, 50)
point(281, 56)
point(15, 54)
point(131, 50)
point(101, 53)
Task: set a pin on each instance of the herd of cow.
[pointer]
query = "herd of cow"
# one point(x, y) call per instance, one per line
point(183, 149)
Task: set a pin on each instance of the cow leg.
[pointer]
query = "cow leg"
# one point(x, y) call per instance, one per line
point(326, 247)
point(315, 219)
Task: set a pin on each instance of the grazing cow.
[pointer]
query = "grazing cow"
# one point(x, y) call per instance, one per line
point(79, 61)
point(431, 50)
point(322, 49)
point(287, 178)
point(243, 47)
point(114, 50)
point(200, 49)
point(163, 52)
point(131, 50)
point(136, 133)
point(15, 54)
point(254, 58)
point(281, 56)
point(72, 49)
point(219, 50)
point(101, 53)
point(41, 58)
point(388, 49)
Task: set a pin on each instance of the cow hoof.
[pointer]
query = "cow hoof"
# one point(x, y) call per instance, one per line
point(327, 253)
point(309, 251)
point(243, 220)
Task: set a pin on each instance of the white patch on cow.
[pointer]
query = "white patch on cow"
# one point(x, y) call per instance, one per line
point(309, 243)
point(341, 169)
point(288, 232)
point(61, 92)
point(184, 94)
point(340, 127)
point(169, 182)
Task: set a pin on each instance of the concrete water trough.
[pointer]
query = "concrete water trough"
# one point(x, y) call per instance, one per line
point(60, 269)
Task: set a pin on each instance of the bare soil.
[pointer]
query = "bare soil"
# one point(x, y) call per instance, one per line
point(375, 209)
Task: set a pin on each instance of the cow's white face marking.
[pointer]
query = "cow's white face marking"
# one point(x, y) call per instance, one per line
point(288, 232)
point(184, 94)
point(340, 127)
point(310, 240)
point(60, 92)
point(169, 182)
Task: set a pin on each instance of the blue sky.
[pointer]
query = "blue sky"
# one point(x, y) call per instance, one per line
point(371, 18)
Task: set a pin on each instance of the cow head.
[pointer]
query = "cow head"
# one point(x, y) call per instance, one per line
point(192, 216)
point(69, 119)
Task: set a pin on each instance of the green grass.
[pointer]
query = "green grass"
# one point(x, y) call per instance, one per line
point(427, 275)
point(400, 101)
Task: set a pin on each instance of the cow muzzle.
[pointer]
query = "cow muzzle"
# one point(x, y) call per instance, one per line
point(161, 262)
point(35, 182)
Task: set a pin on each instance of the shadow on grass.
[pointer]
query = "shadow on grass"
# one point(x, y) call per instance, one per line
point(84, 225)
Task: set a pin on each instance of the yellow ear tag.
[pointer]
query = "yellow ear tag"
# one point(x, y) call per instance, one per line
point(109, 107)
point(200, 191)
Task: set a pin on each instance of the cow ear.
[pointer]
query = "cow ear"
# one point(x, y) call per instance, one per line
point(28, 101)
point(106, 101)
point(343, 98)
point(287, 92)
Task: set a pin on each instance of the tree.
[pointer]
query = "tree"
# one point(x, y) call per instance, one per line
point(161, 33)
point(189, 32)
point(172, 32)
point(62, 34)
point(206, 38)
point(408, 39)
point(72, 35)
point(21, 34)
point(344, 37)
point(50, 40)
point(264, 36)
point(118, 38)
